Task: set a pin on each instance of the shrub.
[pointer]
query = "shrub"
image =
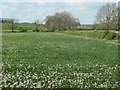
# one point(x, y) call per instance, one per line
point(103, 34)
point(50, 30)
point(118, 38)
point(36, 30)
point(111, 36)
point(42, 29)
point(22, 29)
point(96, 34)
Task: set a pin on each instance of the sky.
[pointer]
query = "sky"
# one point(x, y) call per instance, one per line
point(29, 11)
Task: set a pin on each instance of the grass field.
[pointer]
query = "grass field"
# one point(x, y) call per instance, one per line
point(24, 25)
point(52, 60)
point(29, 26)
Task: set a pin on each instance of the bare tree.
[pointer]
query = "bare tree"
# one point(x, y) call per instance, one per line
point(118, 15)
point(61, 21)
point(37, 23)
point(107, 15)
point(11, 23)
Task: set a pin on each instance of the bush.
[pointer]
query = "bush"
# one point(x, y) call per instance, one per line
point(43, 29)
point(95, 34)
point(22, 29)
point(111, 36)
point(118, 38)
point(102, 34)
point(50, 30)
point(36, 30)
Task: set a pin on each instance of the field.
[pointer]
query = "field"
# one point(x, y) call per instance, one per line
point(54, 60)
point(29, 26)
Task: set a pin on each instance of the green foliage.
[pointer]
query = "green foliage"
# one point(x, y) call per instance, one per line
point(5, 27)
point(111, 36)
point(118, 37)
point(28, 26)
point(43, 29)
point(54, 60)
point(101, 34)
point(94, 34)
point(21, 29)
point(36, 30)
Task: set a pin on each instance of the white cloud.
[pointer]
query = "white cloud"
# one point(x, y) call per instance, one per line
point(6, 8)
point(76, 8)
point(41, 2)
point(3, 7)
point(75, 4)
point(29, 10)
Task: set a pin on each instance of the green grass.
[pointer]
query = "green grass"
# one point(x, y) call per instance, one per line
point(29, 26)
point(52, 60)
point(111, 35)
point(24, 25)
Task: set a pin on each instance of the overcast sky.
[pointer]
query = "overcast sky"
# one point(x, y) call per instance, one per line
point(29, 11)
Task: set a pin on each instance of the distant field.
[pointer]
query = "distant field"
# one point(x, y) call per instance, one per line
point(55, 60)
point(6, 27)
point(28, 26)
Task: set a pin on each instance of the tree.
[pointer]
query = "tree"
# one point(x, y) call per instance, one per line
point(37, 23)
point(107, 15)
point(61, 21)
point(11, 23)
point(118, 15)
point(49, 22)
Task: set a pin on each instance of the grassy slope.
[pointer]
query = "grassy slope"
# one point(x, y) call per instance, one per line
point(111, 35)
point(61, 56)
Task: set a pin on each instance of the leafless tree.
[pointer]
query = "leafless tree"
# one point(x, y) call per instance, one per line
point(61, 21)
point(37, 23)
point(107, 15)
point(11, 23)
point(119, 15)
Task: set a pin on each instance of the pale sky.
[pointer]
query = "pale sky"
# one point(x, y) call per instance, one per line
point(28, 11)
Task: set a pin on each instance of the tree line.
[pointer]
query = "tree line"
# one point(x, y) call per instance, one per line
point(106, 18)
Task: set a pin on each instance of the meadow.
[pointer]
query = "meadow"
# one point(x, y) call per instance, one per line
point(56, 60)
